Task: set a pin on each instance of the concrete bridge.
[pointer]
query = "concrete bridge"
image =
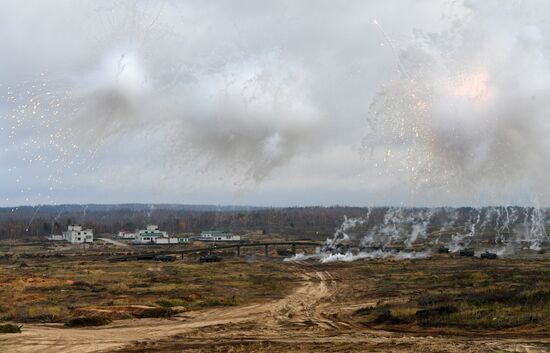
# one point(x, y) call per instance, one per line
point(238, 246)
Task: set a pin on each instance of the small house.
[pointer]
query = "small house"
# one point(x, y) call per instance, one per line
point(126, 235)
point(218, 235)
point(152, 235)
point(76, 235)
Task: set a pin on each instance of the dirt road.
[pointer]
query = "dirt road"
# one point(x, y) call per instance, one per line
point(311, 319)
point(114, 242)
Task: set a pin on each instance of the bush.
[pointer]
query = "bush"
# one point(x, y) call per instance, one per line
point(168, 303)
point(429, 299)
point(88, 321)
point(381, 316)
point(365, 311)
point(220, 302)
point(437, 311)
point(165, 303)
point(41, 313)
point(493, 295)
point(118, 288)
point(534, 297)
point(10, 328)
point(403, 315)
point(154, 312)
point(82, 285)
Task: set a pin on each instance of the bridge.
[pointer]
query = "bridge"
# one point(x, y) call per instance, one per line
point(238, 246)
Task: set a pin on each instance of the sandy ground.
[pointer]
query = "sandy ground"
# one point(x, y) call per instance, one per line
point(310, 319)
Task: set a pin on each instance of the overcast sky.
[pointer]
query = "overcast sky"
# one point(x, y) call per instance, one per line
point(279, 103)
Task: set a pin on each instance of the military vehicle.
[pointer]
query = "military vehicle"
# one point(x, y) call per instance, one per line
point(466, 252)
point(488, 255)
point(145, 257)
point(210, 258)
point(285, 252)
point(165, 258)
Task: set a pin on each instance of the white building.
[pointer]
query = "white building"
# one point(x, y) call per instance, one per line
point(76, 235)
point(152, 235)
point(126, 235)
point(167, 240)
point(218, 235)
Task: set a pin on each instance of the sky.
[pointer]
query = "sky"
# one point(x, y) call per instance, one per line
point(280, 103)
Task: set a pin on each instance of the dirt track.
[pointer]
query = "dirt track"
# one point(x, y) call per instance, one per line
point(311, 319)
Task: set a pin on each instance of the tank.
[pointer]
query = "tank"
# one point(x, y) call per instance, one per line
point(210, 258)
point(165, 258)
point(488, 255)
point(466, 252)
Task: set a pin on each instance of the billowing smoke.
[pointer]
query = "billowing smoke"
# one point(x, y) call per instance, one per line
point(412, 233)
point(246, 118)
point(470, 109)
point(151, 95)
point(225, 94)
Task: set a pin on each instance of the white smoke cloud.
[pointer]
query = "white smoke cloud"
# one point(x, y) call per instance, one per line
point(243, 119)
point(470, 111)
point(249, 118)
point(325, 257)
point(408, 233)
point(273, 98)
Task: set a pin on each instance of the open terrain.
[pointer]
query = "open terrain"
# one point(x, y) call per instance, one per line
point(442, 304)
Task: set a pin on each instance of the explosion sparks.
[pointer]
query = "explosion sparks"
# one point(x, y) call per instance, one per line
point(469, 112)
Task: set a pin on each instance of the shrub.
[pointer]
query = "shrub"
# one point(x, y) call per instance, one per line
point(82, 285)
point(365, 311)
point(193, 297)
point(437, 311)
point(88, 321)
point(41, 313)
point(118, 288)
point(492, 295)
point(381, 316)
point(220, 302)
point(534, 297)
point(154, 312)
point(168, 303)
point(10, 328)
point(429, 299)
point(165, 303)
point(403, 315)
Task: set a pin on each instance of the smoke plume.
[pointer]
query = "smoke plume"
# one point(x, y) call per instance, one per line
point(470, 109)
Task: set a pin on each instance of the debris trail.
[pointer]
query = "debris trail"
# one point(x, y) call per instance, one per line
point(471, 114)
point(405, 233)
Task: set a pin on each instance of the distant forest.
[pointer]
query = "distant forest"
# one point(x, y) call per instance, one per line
point(295, 222)
point(316, 223)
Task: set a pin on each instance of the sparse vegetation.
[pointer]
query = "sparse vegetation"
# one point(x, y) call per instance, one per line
point(40, 313)
point(458, 293)
point(442, 293)
point(154, 312)
point(10, 328)
point(59, 290)
point(88, 321)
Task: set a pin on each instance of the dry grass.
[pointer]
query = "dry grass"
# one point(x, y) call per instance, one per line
point(88, 321)
point(457, 293)
point(57, 290)
point(10, 328)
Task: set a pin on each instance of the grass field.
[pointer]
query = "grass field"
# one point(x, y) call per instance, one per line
point(59, 290)
point(460, 293)
point(443, 292)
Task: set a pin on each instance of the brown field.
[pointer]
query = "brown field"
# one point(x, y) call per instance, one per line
point(442, 304)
